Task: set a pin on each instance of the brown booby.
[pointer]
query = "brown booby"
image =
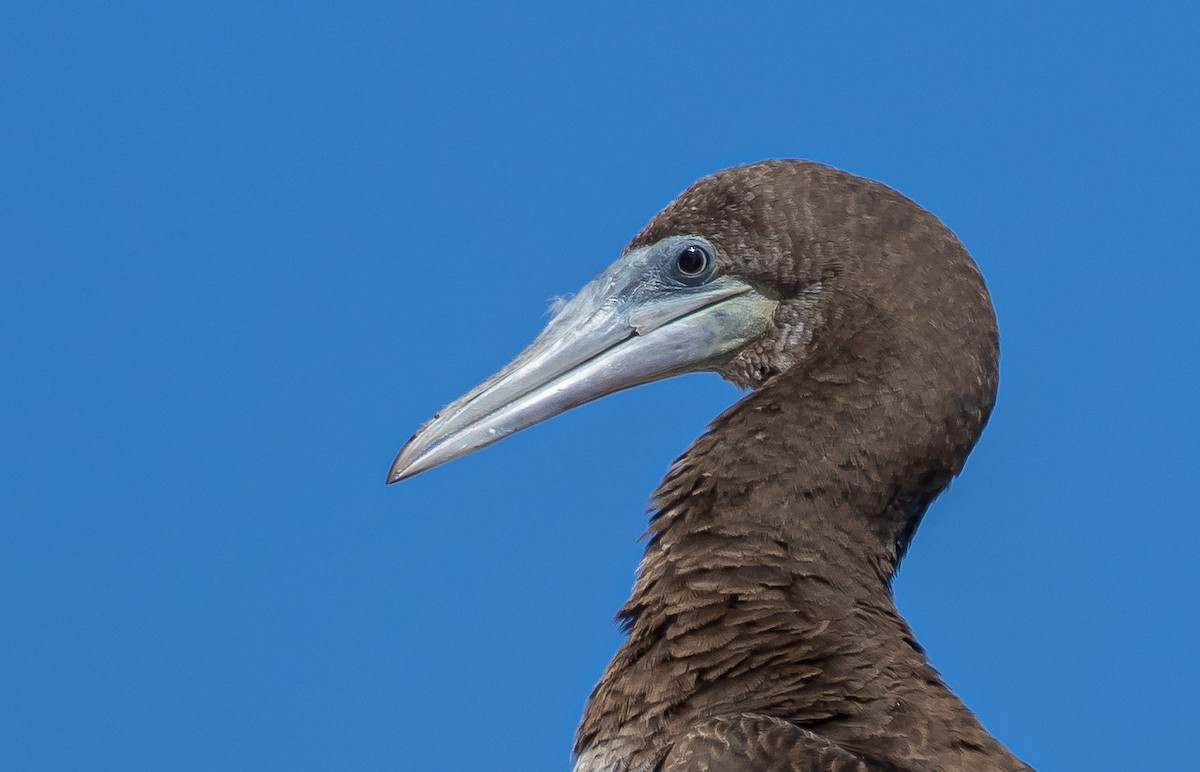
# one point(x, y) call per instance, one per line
point(762, 633)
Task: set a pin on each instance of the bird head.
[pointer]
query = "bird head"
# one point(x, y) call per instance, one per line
point(751, 273)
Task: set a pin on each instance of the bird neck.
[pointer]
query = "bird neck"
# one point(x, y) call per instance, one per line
point(766, 585)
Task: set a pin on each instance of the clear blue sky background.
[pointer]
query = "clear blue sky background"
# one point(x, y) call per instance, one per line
point(246, 248)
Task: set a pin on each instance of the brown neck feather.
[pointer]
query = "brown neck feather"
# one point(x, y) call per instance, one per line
point(766, 583)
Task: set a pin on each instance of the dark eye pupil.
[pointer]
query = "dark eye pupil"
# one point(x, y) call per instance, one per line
point(691, 261)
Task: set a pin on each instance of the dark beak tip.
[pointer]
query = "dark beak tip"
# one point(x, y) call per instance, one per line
point(397, 471)
point(400, 465)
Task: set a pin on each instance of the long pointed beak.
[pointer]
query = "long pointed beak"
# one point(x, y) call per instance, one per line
point(626, 327)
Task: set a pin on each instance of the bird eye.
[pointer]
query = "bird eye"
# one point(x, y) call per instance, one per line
point(692, 262)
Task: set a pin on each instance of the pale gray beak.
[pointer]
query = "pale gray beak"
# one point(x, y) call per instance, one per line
point(647, 316)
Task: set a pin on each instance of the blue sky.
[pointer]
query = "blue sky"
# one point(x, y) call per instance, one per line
point(246, 249)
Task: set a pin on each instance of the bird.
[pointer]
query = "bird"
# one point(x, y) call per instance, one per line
point(761, 631)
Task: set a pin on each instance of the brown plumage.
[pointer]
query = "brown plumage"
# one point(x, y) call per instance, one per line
point(762, 634)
